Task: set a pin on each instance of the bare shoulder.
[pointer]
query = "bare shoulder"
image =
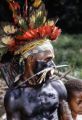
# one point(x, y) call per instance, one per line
point(10, 99)
point(60, 87)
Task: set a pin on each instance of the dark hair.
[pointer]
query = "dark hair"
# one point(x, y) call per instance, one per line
point(71, 86)
point(7, 57)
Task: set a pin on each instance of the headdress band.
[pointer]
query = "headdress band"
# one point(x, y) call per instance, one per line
point(29, 46)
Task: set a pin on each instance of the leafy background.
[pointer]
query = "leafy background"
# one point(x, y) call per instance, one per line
point(68, 50)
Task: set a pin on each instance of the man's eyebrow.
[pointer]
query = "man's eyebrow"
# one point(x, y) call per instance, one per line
point(48, 58)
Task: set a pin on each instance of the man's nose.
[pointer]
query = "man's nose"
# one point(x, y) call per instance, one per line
point(50, 63)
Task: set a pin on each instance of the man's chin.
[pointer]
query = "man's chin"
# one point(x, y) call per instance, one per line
point(80, 113)
point(35, 80)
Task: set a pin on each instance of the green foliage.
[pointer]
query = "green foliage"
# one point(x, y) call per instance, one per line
point(68, 50)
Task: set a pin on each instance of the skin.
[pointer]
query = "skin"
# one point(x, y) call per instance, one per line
point(75, 103)
point(30, 62)
point(35, 103)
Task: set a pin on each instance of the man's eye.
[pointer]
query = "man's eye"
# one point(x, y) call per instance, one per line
point(79, 102)
point(48, 59)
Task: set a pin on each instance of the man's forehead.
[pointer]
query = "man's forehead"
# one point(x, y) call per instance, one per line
point(76, 95)
point(46, 47)
point(44, 55)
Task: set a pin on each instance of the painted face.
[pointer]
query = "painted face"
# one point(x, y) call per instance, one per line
point(76, 102)
point(44, 57)
point(32, 67)
point(44, 60)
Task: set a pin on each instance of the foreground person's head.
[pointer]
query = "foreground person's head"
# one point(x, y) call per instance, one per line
point(74, 90)
point(36, 60)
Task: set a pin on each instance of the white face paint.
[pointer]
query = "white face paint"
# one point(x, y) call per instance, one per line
point(46, 46)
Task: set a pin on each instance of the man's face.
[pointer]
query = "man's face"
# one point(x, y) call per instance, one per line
point(32, 67)
point(43, 57)
point(46, 56)
point(76, 102)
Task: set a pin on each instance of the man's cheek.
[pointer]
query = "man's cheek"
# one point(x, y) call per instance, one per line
point(41, 65)
point(76, 108)
point(72, 106)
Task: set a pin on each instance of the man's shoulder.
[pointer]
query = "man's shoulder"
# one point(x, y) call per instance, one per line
point(12, 93)
point(10, 98)
point(60, 88)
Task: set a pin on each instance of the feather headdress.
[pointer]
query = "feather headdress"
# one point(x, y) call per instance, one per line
point(29, 32)
point(30, 25)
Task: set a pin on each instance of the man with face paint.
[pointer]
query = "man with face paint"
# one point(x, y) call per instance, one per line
point(35, 93)
point(35, 98)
